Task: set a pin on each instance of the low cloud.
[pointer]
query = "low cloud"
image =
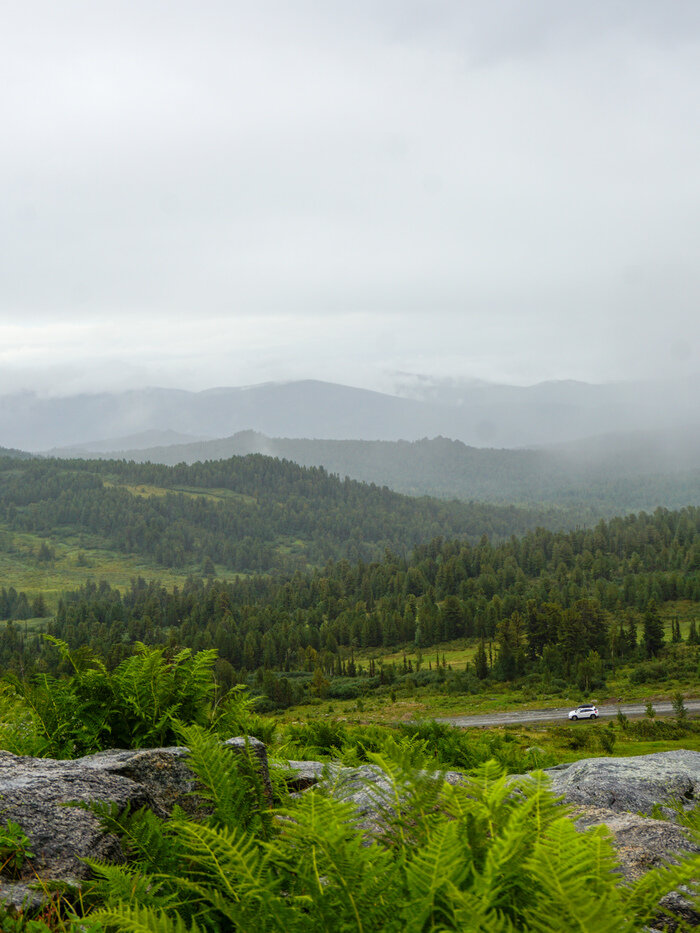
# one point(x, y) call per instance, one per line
point(235, 193)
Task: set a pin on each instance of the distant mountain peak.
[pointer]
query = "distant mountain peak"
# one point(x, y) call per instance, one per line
point(476, 413)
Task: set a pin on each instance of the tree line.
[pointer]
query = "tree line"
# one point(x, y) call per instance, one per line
point(566, 603)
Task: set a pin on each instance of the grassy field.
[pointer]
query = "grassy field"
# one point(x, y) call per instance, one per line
point(560, 741)
point(76, 559)
point(213, 494)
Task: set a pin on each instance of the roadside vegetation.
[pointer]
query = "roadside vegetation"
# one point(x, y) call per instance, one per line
point(453, 858)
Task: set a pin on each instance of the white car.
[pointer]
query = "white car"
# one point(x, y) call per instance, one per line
point(584, 712)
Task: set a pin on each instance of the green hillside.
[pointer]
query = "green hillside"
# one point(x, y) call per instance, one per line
point(250, 514)
point(603, 476)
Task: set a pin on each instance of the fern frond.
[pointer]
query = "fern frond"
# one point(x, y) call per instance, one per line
point(572, 877)
point(504, 877)
point(408, 802)
point(143, 835)
point(325, 865)
point(125, 884)
point(431, 875)
point(315, 815)
point(230, 785)
point(226, 857)
point(124, 918)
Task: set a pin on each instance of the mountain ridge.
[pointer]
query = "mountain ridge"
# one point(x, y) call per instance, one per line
point(481, 416)
point(628, 472)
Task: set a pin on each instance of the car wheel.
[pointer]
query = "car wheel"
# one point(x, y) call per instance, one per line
point(593, 716)
point(574, 717)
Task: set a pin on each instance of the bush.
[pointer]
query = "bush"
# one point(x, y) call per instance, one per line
point(607, 738)
point(345, 688)
point(652, 729)
point(465, 750)
point(570, 737)
point(319, 738)
point(463, 682)
point(650, 672)
point(679, 710)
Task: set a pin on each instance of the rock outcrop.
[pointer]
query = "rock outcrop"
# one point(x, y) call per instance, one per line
point(37, 794)
point(632, 785)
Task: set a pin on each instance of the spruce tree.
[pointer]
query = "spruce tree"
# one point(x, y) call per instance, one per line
point(481, 664)
point(653, 630)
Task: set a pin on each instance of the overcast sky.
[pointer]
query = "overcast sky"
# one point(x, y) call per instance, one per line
point(223, 193)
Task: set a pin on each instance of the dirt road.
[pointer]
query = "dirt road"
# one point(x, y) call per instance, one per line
point(561, 713)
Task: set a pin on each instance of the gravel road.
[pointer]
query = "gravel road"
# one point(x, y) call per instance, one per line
point(662, 707)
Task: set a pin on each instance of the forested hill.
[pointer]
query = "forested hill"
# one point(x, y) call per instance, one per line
point(547, 597)
point(11, 453)
point(605, 475)
point(250, 513)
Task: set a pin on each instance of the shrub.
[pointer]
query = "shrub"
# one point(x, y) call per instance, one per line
point(345, 688)
point(607, 738)
point(679, 710)
point(649, 672)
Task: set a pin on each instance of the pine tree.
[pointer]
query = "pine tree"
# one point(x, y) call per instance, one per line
point(481, 664)
point(653, 630)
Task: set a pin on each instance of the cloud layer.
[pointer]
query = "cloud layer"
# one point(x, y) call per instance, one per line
point(226, 193)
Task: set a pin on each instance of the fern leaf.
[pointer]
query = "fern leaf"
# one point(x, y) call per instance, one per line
point(226, 783)
point(125, 884)
point(229, 858)
point(434, 871)
point(127, 919)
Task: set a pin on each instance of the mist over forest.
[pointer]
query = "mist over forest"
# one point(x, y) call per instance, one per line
point(478, 414)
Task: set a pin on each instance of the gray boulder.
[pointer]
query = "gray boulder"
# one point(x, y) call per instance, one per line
point(245, 745)
point(632, 785)
point(641, 843)
point(39, 794)
point(300, 775)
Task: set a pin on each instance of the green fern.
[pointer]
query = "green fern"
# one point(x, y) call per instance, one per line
point(333, 878)
point(489, 856)
point(144, 836)
point(127, 919)
point(126, 884)
point(432, 875)
point(229, 783)
point(409, 803)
